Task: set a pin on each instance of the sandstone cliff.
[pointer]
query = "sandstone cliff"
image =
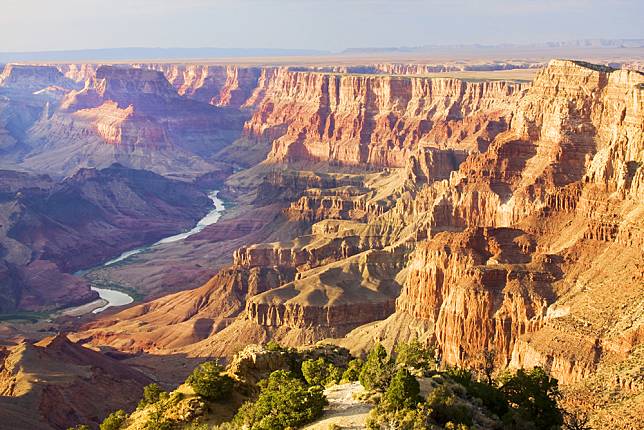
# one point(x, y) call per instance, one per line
point(133, 116)
point(560, 281)
point(377, 120)
point(33, 78)
point(229, 86)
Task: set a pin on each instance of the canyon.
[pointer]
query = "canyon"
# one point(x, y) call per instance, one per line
point(364, 203)
point(103, 212)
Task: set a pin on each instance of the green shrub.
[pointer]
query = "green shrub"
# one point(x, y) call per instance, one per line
point(80, 427)
point(460, 375)
point(445, 408)
point(492, 398)
point(353, 370)
point(208, 381)
point(114, 421)
point(151, 394)
point(534, 395)
point(416, 354)
point(377, 370)
point(284, 401)
point(335, 374)
point(156, 419)
point(403, 391)
point(272, 345)
point(403, 419)
point(319, 372)
point(315, 372)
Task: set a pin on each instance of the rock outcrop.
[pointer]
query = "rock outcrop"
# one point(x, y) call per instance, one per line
point(225, 86)
point(55, 384)
point(377, 120)
point(31, 78)
point(133, 116)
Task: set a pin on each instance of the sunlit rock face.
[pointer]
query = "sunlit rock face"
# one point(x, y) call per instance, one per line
point(133, 116)
point(567, 177)
point(377, 120)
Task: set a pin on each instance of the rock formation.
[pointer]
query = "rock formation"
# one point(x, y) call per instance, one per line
point(545, 266)
point(133, 116)
point(33, 78)
point(377, 120)
point(55, 384)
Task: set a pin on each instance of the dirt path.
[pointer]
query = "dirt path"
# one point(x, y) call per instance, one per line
point(343, 411)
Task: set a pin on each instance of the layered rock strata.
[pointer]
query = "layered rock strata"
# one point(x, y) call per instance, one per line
point(568, 175)
point(377, 120)
point(133, 116)
point(30, 78)
point(55, 384)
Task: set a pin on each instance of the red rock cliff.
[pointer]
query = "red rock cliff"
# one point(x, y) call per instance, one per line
point(377, 120)
point(569, 171)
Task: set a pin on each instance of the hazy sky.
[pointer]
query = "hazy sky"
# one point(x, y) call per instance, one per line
point(27, 25)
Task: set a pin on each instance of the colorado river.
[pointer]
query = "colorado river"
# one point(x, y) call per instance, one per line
point(118, 298)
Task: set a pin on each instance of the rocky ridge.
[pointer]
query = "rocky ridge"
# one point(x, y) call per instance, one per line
point(55, 383)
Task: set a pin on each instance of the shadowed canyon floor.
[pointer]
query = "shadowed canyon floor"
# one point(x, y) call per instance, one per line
point(363, 203)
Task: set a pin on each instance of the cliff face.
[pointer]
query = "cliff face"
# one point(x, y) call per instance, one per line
point(568, 172)
point(33, 78)
point(146, 89)
point(421, 69)
point(225, 86)
point(133, 116)
point(377, 120)
point(480, 289)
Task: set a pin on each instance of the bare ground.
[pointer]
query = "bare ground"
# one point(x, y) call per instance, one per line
point(343, 410)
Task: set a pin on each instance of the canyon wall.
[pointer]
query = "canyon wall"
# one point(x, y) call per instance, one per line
point(33, 78)
point(133, 116)
point(377, 120)
point(567, 177)
point(100, 212)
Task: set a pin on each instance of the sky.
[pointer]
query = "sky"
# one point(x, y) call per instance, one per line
point(34, 25)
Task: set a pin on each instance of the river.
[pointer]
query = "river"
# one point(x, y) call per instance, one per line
point(119, 298)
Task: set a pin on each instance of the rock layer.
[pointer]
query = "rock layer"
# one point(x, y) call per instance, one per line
point(377, 120)
point(133, 116)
